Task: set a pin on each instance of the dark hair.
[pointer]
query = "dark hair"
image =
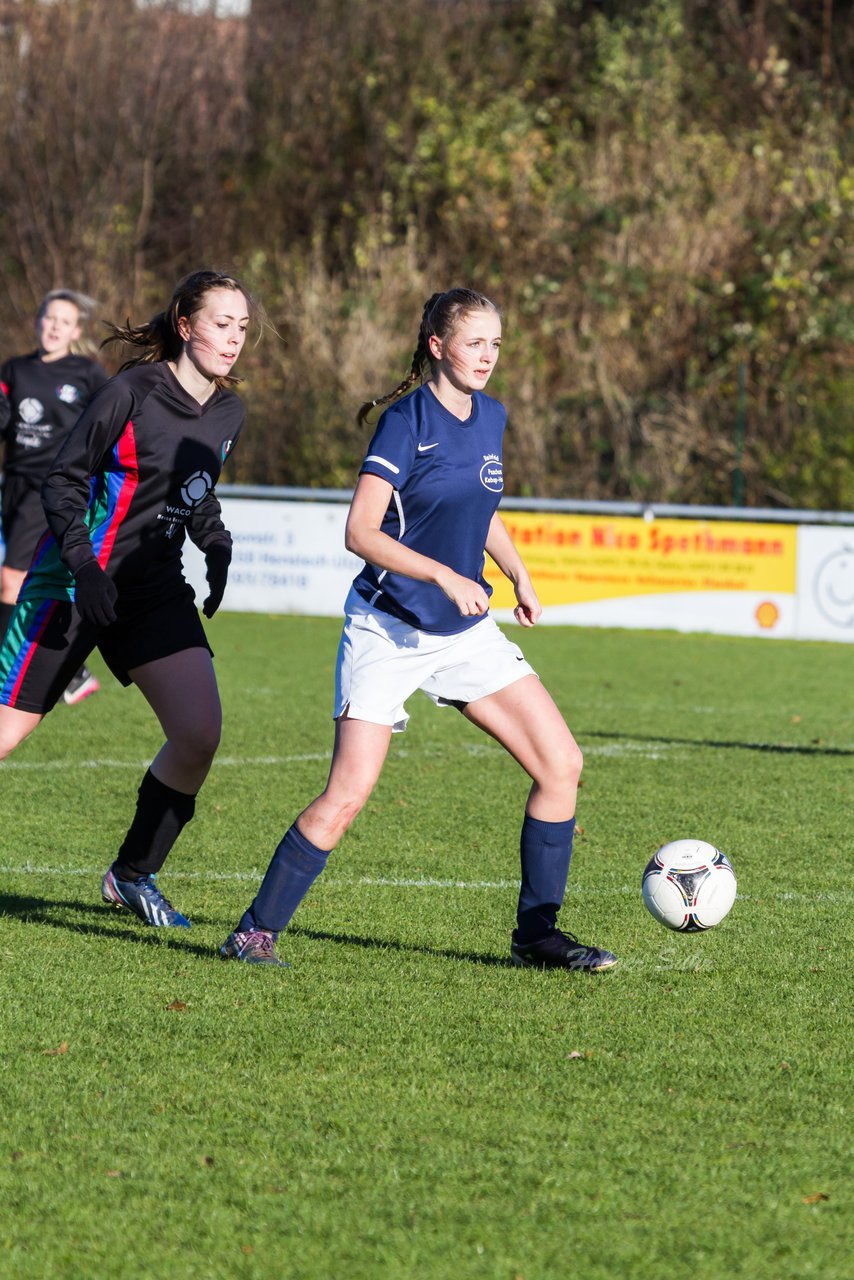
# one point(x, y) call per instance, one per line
point(160, 337)
point(440, 317)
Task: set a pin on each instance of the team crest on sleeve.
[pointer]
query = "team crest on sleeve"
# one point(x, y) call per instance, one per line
point(492, 473)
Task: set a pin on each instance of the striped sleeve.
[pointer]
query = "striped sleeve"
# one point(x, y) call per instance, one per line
point(66, 491)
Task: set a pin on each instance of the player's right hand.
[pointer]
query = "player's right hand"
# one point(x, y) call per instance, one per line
point(95, 594)
point(469, 597)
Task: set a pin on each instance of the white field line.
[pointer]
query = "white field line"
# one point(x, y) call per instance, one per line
point(254, 876)
point(255, 762)
point(251, 762)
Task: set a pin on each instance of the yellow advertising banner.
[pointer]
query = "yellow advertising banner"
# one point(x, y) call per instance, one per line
point(574, 559)
point(723, 576)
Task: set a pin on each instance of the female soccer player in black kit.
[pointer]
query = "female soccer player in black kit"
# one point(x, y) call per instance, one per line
point(135, 476)
point(44, 394)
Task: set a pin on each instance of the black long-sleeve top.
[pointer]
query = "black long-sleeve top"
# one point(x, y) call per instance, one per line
point(136, 475)
point(41, 401)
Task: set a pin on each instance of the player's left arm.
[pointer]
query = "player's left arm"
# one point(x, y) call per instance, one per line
point(501, 549)
point(206, 529)
point(205, 526)
point(210, 535)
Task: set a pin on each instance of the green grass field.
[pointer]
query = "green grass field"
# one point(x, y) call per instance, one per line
point(402, 1102)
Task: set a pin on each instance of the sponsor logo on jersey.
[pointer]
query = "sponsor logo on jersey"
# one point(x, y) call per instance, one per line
point(30, 411)
point(195, 488)
point(67, 393)
point(226, 449)
point(492, 473)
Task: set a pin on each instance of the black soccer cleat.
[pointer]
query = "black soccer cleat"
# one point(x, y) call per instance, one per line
point(559, 950)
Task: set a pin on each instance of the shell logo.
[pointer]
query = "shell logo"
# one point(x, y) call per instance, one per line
point(767, 615)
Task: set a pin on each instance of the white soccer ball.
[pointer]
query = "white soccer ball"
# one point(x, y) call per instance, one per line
point(688, 885)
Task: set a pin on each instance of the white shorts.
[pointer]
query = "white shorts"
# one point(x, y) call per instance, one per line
point(381, 661)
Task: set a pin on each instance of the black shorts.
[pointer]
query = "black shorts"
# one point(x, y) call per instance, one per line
point(47, 642)
point(24, 521)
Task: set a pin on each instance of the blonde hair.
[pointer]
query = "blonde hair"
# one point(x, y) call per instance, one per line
point(84, 304)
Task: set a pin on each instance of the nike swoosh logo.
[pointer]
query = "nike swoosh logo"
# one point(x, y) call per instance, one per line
point(422, 448)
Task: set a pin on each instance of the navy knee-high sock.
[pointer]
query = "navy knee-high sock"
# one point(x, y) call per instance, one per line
point(293, 869)
point(546, 852)
point(161, 815)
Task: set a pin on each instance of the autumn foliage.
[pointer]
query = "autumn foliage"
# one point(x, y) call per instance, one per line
point(660, 197)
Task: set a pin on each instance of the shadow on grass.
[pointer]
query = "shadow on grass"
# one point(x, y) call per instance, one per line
point(780, 748)
point(41, 911)
point(387, 944)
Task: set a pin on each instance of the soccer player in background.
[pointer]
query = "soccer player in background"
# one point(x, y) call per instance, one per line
point(423, 514)
point(135, 476)
point(43, 395)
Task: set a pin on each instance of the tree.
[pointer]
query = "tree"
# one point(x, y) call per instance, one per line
point(121, 131)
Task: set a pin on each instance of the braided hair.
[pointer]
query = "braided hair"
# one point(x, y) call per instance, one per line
point(440, 317)
point(160, 337)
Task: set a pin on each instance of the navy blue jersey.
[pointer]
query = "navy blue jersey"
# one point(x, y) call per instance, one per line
point(447, 477)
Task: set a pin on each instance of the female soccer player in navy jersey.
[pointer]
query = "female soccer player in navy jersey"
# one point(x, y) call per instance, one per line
point(423, 513)
point(44, 394)
point(135, 476)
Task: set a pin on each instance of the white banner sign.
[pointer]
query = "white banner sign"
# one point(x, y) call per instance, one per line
point(289, 557)
point(825, 591)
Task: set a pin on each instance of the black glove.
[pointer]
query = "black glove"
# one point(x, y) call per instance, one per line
point(217, 560)
point(95, 594)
